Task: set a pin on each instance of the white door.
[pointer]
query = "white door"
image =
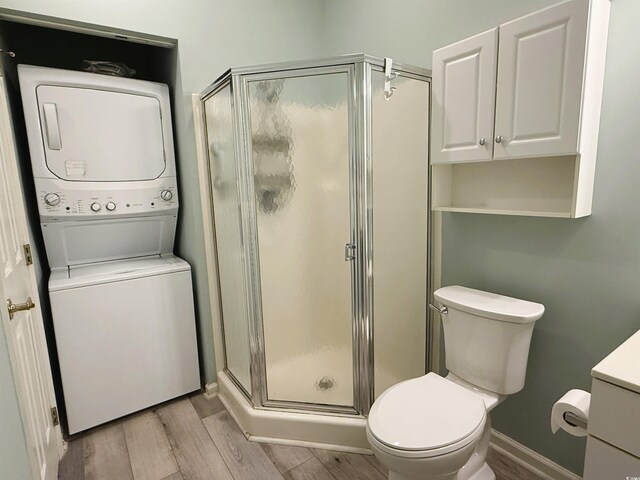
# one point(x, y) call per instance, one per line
point(24, 332)
point(540, 70)
point(463, 89)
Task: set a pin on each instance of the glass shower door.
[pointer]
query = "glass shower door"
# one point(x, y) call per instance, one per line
point(302, 181)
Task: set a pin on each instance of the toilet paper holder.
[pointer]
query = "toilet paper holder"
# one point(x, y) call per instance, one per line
point(574, 420)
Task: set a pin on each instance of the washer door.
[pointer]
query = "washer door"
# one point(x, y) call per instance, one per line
point(88, 241)
point(95, 135)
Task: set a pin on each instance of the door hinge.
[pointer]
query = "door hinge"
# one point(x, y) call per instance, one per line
point(28, 257)
point(54, 416)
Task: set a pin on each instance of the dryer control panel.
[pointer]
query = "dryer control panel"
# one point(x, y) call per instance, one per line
point(58, 202)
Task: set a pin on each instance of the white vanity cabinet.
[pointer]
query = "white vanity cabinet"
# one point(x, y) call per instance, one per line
point(613, 443)
point(528, 92)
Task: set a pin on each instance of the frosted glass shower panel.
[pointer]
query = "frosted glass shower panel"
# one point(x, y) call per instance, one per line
point(399, 144)
point(300, 152)
point(226, 200)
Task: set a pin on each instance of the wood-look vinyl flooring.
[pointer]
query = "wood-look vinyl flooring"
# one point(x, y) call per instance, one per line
point(192, 438)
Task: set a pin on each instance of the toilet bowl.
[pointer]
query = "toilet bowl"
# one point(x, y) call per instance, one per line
point(435, 428)
point(428, 424)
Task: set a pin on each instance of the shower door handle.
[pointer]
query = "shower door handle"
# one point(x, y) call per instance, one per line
point(349, 252)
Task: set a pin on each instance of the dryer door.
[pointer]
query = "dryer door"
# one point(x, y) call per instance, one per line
point(100, 136)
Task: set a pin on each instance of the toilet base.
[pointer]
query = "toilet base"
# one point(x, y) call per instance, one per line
point(483, 473)
point(476, 468)
point(398, 476)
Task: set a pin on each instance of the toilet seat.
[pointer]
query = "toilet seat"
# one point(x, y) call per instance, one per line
point(425, 417)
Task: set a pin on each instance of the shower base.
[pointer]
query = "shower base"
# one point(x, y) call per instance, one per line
point(321, 377)
point(316, 430)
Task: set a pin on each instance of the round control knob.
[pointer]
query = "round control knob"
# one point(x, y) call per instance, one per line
point(96, 207)
point(111, 206)
point(52, 199)
point(166, 195)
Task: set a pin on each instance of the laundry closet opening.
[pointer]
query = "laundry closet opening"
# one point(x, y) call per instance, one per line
point(63, 48)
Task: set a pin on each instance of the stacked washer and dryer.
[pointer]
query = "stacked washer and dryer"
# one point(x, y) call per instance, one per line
point(105, 178)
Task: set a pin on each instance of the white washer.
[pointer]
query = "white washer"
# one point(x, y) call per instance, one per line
point(104, 170)
point(126, 336)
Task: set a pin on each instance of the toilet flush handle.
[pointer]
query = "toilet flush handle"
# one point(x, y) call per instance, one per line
point(441, 311)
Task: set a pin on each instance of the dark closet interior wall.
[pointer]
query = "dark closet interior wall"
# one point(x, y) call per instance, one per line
point(47, 47)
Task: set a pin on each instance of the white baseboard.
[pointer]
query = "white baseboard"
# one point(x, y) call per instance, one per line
point(210, 390)
point(302, 443)
point(527, 458)
point(338, 432)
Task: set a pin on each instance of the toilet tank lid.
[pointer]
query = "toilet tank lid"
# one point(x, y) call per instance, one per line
point(489, 305)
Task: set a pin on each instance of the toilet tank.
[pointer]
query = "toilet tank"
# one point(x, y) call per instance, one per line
point(487, 337)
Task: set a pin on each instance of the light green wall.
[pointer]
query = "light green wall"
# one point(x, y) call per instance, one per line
point(409, 30)
point(586, 271)
point(14, 463)
point(213, 35)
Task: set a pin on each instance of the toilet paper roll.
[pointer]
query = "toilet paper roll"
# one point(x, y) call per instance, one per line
point(576, 402)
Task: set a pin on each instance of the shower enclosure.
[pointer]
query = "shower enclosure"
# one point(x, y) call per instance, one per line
point(318, 181)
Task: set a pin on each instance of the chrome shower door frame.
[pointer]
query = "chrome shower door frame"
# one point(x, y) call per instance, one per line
point(363, 324)
point(241, 82)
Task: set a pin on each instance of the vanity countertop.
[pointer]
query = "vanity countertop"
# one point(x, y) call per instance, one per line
point(622, 366)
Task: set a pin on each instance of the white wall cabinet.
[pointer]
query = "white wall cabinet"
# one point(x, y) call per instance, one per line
point(528, 92)
point(540, 73)
point(464, 101)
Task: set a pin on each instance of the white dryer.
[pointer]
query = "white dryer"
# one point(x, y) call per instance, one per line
point(104, 170)
point(103, 164)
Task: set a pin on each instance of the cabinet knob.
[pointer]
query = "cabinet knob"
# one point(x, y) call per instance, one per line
point(483, 141)
point(499, 139)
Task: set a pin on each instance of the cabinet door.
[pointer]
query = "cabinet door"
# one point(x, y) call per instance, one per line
point(540, 72)
point(464, 76)
point(604, 461)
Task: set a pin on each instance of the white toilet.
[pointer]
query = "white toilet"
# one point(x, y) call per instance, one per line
point(435, 428)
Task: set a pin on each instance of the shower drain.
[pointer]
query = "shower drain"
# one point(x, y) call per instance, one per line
point(325, 383)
